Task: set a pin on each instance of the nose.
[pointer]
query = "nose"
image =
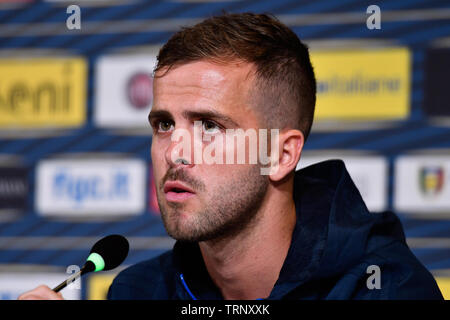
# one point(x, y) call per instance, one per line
point(179, 153)
point(182, 161)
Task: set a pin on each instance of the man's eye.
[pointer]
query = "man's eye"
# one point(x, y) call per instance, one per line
point(210, 126)
point(164, 126)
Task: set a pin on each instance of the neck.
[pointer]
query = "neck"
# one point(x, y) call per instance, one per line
point(247, 265)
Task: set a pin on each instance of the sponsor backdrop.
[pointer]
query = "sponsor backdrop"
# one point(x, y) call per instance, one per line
point(43, 92)
point(74, 140)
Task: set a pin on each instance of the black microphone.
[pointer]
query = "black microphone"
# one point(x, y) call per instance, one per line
point(106, 254)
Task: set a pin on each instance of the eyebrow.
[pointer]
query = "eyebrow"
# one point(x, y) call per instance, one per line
point(188, 114)
point(158, 114)
point(209, 114)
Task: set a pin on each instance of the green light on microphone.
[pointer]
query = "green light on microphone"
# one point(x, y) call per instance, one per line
point(97, 260)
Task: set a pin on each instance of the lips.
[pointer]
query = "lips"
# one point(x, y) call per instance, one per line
point(177, 192)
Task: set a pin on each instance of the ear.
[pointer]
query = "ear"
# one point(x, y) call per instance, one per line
point(290, 148)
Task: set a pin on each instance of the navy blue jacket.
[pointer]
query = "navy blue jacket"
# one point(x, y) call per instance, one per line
point(335, 240)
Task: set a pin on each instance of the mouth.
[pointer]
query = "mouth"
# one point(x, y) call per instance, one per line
point(177, 192)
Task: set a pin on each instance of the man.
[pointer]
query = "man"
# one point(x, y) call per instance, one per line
point(243, 234)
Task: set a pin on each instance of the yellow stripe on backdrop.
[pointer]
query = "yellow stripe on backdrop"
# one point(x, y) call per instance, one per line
point(444, 285)
point(362, 84)
point(98, 285)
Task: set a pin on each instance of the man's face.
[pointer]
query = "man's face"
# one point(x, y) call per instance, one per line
point(216, 200)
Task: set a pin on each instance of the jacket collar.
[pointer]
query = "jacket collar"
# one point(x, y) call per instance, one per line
point(329, 235)
point(192, 278)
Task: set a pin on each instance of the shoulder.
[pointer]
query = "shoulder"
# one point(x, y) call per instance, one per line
point(149, 279)
point(394, 272)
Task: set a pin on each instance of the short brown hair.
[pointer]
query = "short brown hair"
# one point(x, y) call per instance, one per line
point(285, 82)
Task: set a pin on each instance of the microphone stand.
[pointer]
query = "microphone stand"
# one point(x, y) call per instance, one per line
point(88, 267)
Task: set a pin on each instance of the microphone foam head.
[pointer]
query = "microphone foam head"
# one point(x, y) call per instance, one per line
point(109, 252)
